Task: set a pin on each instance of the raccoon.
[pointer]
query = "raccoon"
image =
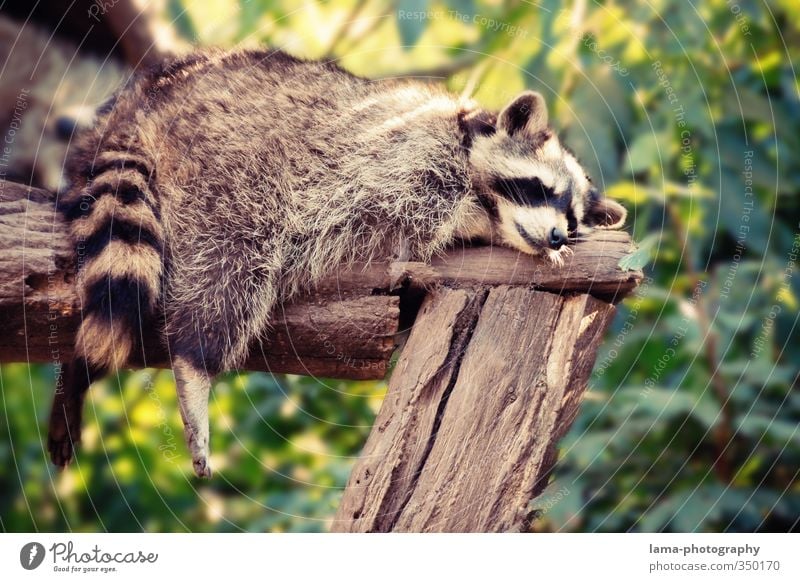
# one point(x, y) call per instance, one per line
point(224, 183)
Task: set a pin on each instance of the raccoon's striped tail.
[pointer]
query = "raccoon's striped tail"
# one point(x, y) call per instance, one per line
point(115, 226)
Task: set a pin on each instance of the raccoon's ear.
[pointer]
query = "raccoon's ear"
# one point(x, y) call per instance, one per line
point(527, 112)
point(604, 213)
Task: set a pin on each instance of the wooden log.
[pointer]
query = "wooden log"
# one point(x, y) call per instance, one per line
point(489, 381)
point(345, 328)
point(592, 269)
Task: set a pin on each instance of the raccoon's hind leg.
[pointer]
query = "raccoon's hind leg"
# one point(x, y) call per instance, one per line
point(195, 362)
point(194, 386)
point(65, 416)
point(215, 307)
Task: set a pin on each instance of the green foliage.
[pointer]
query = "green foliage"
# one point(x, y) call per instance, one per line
point(688, 115)
point(283, 448)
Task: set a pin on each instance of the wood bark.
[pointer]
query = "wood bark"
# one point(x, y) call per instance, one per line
point(488, 382)
point(346, 328)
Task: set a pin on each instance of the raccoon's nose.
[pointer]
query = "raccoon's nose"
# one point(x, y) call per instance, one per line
point(557, 238)
point(65, 126)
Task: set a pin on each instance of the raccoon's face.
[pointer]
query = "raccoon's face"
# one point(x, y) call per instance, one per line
point(536, 194)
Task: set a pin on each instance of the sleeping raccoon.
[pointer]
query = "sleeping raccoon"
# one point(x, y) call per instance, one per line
point(221, 184)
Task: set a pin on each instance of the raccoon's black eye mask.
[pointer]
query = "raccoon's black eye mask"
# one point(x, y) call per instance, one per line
point(532, 192)
point(525, 191)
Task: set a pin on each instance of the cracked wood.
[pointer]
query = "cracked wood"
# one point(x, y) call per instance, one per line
point(480, 396)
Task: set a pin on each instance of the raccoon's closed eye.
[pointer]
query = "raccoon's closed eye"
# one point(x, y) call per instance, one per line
point(572, 222)
point(526, 191)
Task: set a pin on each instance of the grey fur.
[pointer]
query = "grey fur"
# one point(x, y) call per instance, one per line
point(267, 172)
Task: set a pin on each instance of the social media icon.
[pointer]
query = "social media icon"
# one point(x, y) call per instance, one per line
point(31, 555)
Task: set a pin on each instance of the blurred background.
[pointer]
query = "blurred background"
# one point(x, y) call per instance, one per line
point(686, 112)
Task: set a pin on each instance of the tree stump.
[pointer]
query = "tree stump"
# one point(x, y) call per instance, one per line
point(489, 381)
point(491, 378)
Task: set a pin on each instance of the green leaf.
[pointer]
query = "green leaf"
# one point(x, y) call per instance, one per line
point(706, 410)
point(641, 256)
point(661, 402)
point(778, 431)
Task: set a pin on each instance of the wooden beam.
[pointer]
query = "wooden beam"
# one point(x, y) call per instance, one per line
point(346, 328)
point(593, 268)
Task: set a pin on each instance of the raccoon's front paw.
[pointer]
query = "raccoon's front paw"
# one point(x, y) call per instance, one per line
point(202, 468)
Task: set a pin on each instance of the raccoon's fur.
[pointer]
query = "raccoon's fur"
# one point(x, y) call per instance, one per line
point(47, 89)
point(221, 184)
